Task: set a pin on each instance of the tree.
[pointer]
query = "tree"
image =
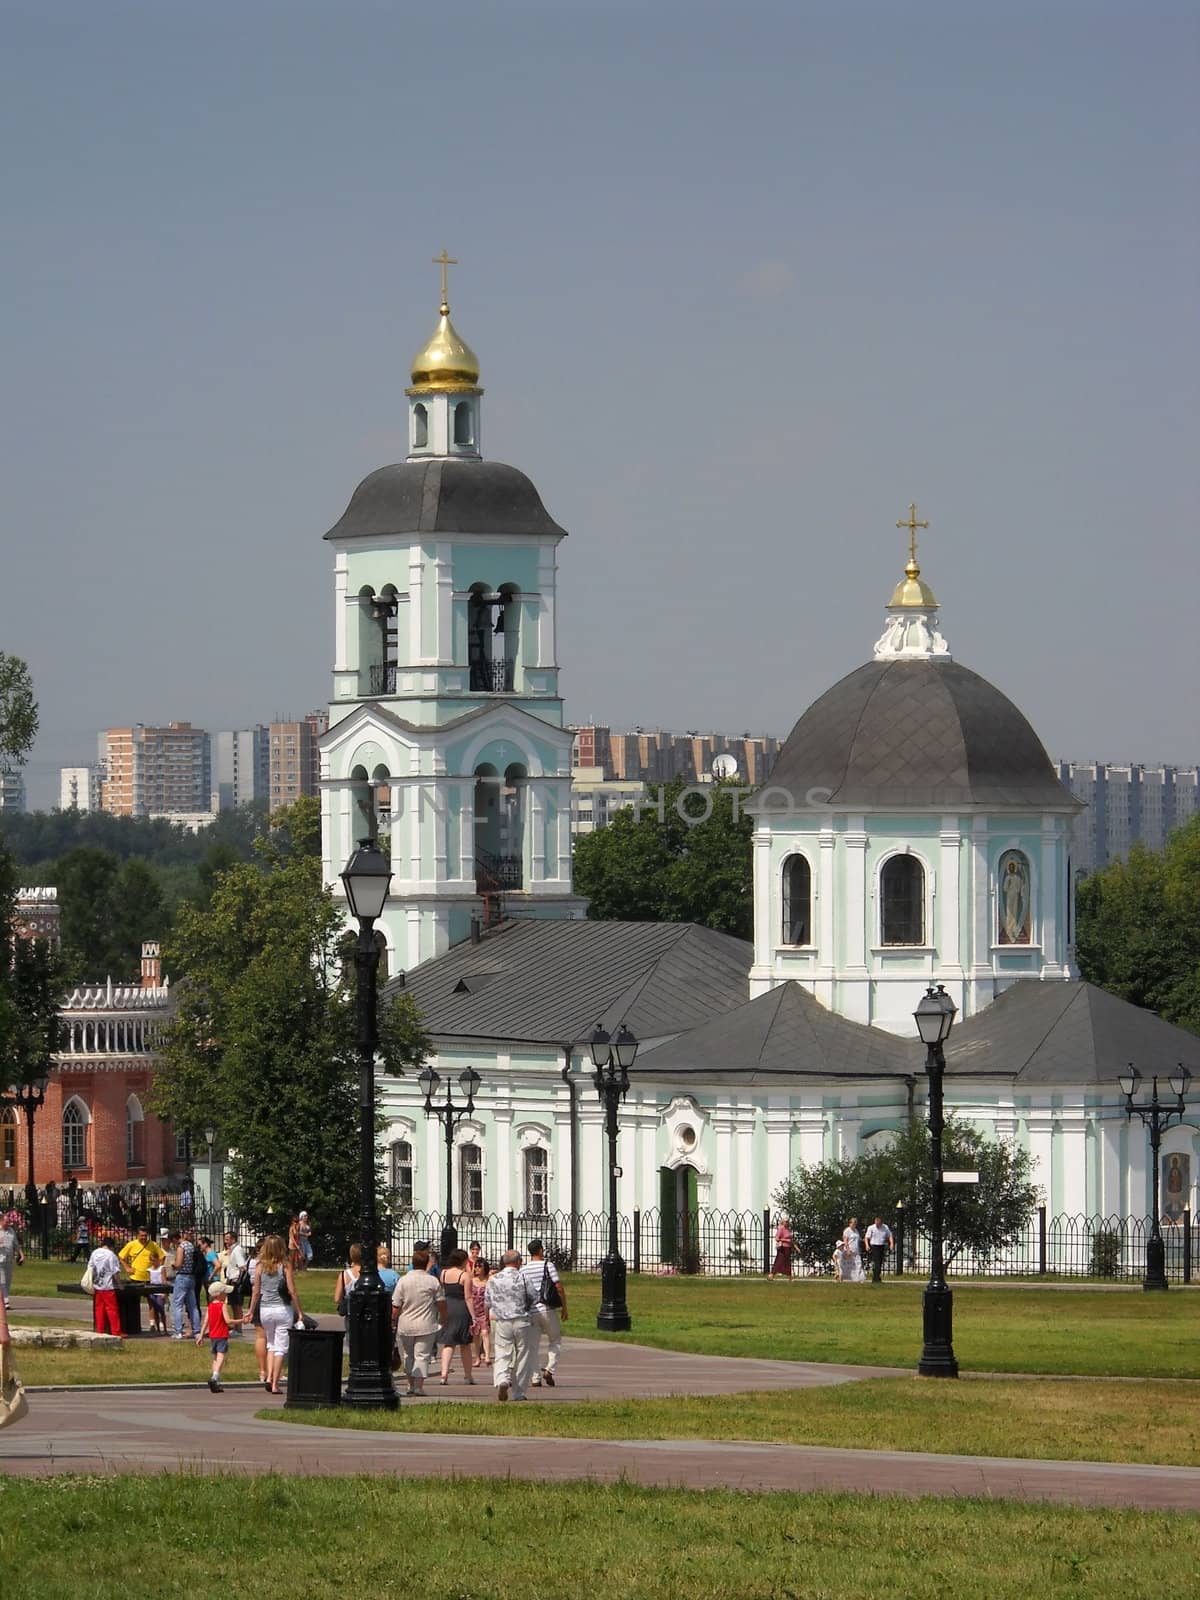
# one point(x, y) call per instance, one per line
point(18, 709)
point(31, 981)
point(263, 1042)
point(694, 867)
point(1138, 928)
point(979, 1219)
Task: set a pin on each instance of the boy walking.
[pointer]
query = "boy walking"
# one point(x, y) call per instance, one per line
point(216, 1323)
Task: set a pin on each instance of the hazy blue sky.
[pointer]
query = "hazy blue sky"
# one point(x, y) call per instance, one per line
point(743, 283)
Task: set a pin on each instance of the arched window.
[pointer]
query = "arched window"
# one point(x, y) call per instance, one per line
point(1014, 902)
point(8, 1142)
point(74, 1135)
point(420, 427)
point(470, 1179)
point(400, 1173)
point(902, 901)
point(536, 1181)
point(133, 1132)
point(463, 431)
point(797, 901)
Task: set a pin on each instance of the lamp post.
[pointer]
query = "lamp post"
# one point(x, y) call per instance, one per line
point(612, 1059)
point(1157, 1115)
point(367, 877)
point(449, 1115)
point(935, 1016)
point(30, 1096)
point(210, 1139)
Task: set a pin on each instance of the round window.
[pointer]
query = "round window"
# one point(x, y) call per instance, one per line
point(687, 1138)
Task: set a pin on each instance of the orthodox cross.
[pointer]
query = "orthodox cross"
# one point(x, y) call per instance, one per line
point(912, 525)
point(445, 261)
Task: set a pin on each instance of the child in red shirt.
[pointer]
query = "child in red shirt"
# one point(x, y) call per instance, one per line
point(216, 1323)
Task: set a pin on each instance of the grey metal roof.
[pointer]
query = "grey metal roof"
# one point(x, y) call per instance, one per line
point(1067, 1033)
point(926, 733)
point(783, 1034)
point(446, 495)
point(1036, 1034)
point(551, 981)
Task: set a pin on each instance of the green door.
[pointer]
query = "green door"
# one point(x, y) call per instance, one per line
point(668, 1237)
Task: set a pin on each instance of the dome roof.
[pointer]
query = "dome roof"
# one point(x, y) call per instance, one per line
point(445, 495)
point(924, 733)
point(447, 361)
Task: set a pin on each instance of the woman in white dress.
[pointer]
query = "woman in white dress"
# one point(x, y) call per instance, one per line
point(853, 1270)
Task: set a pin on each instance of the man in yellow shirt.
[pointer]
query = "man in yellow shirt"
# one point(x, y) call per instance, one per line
point(139, 1255)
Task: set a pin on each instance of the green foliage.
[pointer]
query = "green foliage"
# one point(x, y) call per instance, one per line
point(263, 1042)
point(1138, 928)
point(18, 709)
point(39, 837)
point(641, 869)
point(31, 981)
point(1106, 1255)
point(979, 1219)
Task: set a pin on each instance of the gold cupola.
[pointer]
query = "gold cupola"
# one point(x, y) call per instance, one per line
point(447, 361)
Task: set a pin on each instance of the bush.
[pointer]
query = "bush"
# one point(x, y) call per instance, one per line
point(1106, 1254)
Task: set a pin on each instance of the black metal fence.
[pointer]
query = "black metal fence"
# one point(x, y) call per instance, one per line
point(723, 1244)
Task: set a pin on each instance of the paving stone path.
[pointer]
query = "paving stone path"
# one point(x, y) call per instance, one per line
point(162, 1428)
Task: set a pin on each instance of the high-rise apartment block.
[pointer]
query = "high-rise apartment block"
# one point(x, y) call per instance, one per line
point(241, 766)
point(1126, 805)
point(295, 759)
point(657, 757)
point(79, 788)
point(12, 787)
point(156, 771)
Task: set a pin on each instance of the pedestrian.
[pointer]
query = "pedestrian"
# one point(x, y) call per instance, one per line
point(187, 1276)
point(295, 1253)
point(306, 1245)
point(388, 1276)
point(157, 1302)
point(106, 1280)
point(852, 1262)
point(434, 1269)
point(83, 1236)
point(216, 1324)
point(456, 1330)
point(231, 1268)
point(481, 1325)
point(139, 1258)
point(418, 1310)
point(781, 1267)
point(11, 1255)
point(879, 1242)
point(514, 1345)
point(277, 1302)
point(549, 1312)
point(207, 1262)
point(347, 1278)
point(261, 1352)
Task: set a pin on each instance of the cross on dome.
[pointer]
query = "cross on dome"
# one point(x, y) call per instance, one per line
point(912, 628)
point(445, 261)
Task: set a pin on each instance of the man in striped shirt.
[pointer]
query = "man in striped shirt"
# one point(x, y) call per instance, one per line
point(514, 1343)
point(546, 1319)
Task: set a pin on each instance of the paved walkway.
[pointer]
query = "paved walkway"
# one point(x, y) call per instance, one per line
point(160, 1429)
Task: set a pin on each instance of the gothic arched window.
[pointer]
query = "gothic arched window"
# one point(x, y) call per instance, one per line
point(8, 1141)
point(902, 901)
point(133, 1131)
point(463, 433)
point(797, 901)
point(74, 1135)
point(400, 1173)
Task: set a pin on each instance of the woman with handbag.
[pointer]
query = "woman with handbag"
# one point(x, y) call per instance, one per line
point(277, 1303)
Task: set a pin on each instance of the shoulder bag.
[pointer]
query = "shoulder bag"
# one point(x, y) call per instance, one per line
point(13, 1403)
point(86, 1283)
point(549, 1295)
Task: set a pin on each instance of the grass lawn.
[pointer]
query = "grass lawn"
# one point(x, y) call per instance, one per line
point(490, 1540)
point(1042, 1419)
point(136, 1361)
point(1097, 1332)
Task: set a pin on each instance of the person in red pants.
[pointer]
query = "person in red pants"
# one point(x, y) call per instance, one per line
point(106, 1279)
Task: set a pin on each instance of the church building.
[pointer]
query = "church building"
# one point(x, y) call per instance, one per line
point(912, 831)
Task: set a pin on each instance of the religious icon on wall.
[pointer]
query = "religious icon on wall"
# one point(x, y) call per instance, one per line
point(1013, 899)
point(1176, 1186)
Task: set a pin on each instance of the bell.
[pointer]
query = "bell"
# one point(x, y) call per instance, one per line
point(499, 628)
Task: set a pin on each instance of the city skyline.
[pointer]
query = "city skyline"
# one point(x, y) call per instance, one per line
point(919, 258)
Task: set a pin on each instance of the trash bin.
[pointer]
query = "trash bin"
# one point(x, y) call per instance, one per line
point(129, 1311)
point(314, 1369)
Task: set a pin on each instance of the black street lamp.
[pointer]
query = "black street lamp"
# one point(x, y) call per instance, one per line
point(612, 1059)
point(367, 877)
point(449, 1115)
point(210, 1139)
point(30, 1096)
point(935, 1016)
point(1157, 1115)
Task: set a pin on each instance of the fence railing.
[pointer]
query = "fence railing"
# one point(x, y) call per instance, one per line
point(715, 1243)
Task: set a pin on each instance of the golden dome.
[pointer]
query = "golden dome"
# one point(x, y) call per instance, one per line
point(911, 591)
point(446, 362)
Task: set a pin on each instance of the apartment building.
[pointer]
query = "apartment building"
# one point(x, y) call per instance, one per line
point(655, 756)
point(79, 788)
point(294, 758)
point(155, 770)
point(12, 787)
point(241, 766)
point(1127, 804)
